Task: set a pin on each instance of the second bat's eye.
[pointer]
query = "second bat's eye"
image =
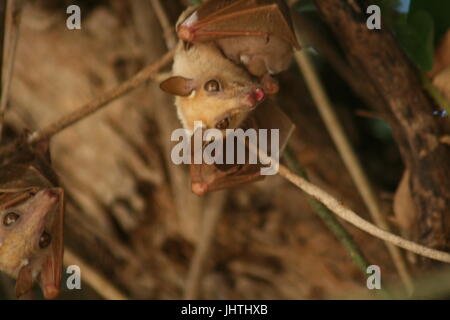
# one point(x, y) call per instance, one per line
point(10, 218)
point(223, 124)
point(212, 86)
point(45, 240)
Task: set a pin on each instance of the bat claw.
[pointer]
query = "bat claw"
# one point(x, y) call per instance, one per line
point(52, 195)
point(199, 188)
point(186, 34)
point(51, 292)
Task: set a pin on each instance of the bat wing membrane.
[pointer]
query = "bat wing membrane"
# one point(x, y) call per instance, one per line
point(218, 19)
point(206, 178)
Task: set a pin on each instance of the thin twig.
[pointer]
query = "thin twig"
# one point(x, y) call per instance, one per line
point(94, 279)
point(353, 218)
point(101, 101)
point(14, 9)
point(2, 40)
point(169, 35)
point(214, 209)
point(349, 157)
point(211, 217)
point(329, 218)
point(96, 104)
point(332, 222)
point(345, 213)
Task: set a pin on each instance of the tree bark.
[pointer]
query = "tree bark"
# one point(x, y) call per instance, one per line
point(377, 56)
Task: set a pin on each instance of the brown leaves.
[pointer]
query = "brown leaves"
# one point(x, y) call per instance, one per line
point(440, 74)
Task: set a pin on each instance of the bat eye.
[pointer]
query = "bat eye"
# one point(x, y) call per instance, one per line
point(212, 86)
point(223, 124)
point(45, 240)
point(10, 218)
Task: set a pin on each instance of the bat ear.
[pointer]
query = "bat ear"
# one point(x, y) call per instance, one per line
point(178, 86)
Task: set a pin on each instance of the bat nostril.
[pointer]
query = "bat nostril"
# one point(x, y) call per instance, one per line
point(259, 94)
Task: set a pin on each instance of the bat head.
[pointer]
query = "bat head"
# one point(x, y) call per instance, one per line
point(28, 245)
point(211, 89)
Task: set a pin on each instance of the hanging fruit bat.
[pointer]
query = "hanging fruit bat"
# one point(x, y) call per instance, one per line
point(256, 33)
point(206, 178)
point(210, 88)
point(31, 220)
point(223, 64)
point(222, 72)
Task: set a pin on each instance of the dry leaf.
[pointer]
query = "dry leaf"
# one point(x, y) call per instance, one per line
point(442, 82)
point(404, 209)
point(442, 56)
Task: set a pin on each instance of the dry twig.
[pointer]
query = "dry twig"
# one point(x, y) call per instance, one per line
point(347, 214)
point(211, 217)
point(95, 280)
point(13, 17)
point(96, 104)
point(349, 157)
point(169, 35)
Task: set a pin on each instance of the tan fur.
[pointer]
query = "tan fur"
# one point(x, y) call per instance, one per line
point(259, 55)
point(203, 62)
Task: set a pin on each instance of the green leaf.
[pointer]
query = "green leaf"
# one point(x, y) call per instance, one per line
point(305, 6)
point(416, 36)
point(195, 2)
point(439, 11)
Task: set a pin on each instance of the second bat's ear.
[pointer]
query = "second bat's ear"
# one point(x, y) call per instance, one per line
point(178, 86)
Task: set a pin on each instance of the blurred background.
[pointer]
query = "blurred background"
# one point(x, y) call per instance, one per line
point(131, 217)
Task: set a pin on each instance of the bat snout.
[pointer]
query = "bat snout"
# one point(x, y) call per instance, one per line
point(51, 195)
point(255, 97)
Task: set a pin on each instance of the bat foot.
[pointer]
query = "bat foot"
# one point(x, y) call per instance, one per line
point(199, 188)
point(51, 292)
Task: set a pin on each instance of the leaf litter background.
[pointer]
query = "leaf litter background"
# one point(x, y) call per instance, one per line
point(131, 215)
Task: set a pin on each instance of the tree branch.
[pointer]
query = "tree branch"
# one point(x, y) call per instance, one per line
point(377, 56)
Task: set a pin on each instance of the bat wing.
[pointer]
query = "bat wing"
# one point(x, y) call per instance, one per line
point(24, 282)
point(206, 178)
point(217, 19)
point(52, 267)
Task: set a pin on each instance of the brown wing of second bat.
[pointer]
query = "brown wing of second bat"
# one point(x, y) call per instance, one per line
point(218, 19)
